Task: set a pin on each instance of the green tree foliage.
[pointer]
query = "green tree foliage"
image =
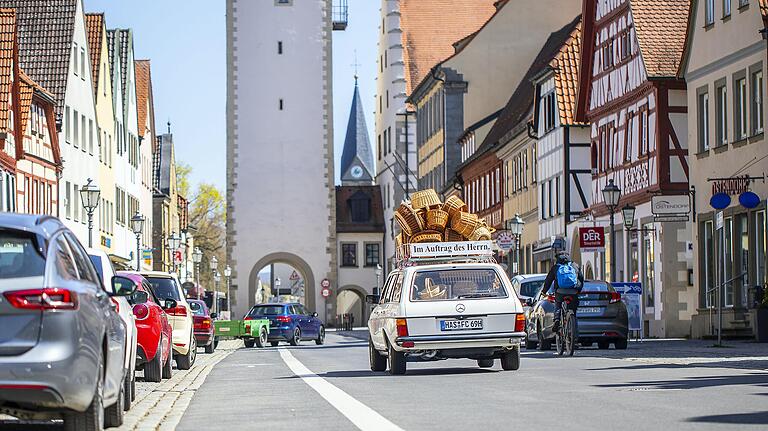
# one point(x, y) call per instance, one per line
point(182, 178)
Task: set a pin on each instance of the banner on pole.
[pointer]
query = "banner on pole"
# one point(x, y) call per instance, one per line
point(631, 295)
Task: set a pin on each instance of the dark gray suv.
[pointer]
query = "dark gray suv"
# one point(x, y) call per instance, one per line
point(61, 341)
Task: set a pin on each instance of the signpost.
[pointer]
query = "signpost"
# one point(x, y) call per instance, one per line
point(326, 292)
point(631, 295)
point(592, 238)
point(670, 208)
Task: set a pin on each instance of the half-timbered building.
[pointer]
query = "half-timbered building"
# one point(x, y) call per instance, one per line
point(38, 167)
point(563, 147)
point(636, 105)
point(9, 70)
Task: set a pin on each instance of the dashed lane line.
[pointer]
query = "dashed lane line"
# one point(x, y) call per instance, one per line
point(362, 416)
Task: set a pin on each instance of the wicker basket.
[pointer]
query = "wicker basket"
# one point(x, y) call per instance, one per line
point(433, 291)
point(427, 236)
point(464, 223)
point(409, 220)
point(399, 240)
point(480, 233)
point(452, 236)
point(437, 219)
point(425, 199)
point(454, 205)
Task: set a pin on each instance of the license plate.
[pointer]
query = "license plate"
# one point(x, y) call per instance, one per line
point(460, 325)
point(588, 310)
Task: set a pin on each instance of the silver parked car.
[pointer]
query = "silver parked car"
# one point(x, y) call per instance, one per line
point(62, 343)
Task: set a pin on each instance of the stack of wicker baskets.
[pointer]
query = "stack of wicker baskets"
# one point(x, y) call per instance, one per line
point(426, 219)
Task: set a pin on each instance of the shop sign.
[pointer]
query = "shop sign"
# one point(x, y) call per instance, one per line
point(177, 257)
point(670, 218)
point(731, 186)
point(671, 204)
point(749, 200)
point(592, 238)
point(505, 241)
point(719, 201)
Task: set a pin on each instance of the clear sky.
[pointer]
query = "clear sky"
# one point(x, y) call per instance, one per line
point(186, 41)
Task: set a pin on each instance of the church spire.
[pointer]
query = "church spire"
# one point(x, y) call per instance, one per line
point(357, 156)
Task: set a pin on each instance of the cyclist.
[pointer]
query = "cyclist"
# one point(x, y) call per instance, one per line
point(568, 280)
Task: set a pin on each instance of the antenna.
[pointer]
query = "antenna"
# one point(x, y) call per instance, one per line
point(169, 126)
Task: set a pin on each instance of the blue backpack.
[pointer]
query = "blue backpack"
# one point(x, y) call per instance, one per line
point(566, 276)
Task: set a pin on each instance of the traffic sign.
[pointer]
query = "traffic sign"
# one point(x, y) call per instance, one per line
point(325, 283)
point(294, 276)
point(177, 257)
point(505, 241)
point(326, 292)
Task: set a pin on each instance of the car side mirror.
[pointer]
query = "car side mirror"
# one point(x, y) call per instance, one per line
point(529, 302)
point(140, 297)
point(372, 299)
point(122, 286)
point(214, 315)
point(169, 303)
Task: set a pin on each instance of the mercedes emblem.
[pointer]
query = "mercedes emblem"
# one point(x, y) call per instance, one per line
point(460, 308)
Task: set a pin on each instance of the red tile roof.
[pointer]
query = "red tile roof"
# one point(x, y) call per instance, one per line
point(94, 27)
point(566, 67)
point(7, 51)
point(27, 88)
point(46, 29)
point(431, 27)
point(143, 90)
point(661, 27)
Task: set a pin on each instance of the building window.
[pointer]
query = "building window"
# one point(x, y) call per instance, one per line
point(534, 165)
point(372, 254)
point(68, 200)
point(281, 104)
point(389, 139)
point(550, 112)
point(726, 8)
point(549, 199)
point(743, 3)
point(90, 136)
point(757, 102)
point(740, 109)
point(83, 131)
point(721, 111)
point(378, 144)
point(626, 45)
point(761, 246)
point(74, 59)
point(385, 59)
point(83, 69)
point(68, 124)
point(708, 256)
point(360, 207)
point(348, 254)
point(728, 262)
point(75, 128)
point(703, 115)
point(387, 98)
point(280, 47)
point(709, 12)
point(283, 2)
point(557, 196)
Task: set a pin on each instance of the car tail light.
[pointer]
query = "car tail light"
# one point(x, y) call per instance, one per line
point(141, 311)
point(179, 310)
point(520, 322)
point(248, 318)
point(615, 297)
point(284, 319)
point(117, 304)
point(402, 328)
point(51, 298)
point(205, 323)
point(551, 298)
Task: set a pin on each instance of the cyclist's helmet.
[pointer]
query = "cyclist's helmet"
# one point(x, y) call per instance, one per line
point(563, 257)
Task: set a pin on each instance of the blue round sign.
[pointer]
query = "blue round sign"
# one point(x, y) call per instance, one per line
point(719, 201)
point(749, 200)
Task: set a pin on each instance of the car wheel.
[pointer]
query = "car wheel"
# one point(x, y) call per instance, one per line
point(587, 343)
point(274, 343)
point(185, 362)
point(396, 361)
point(544, 344)
point(531, 344)
point(320, 336)
point(93, 418)
point(262, 340)
point(210, 348)
point(127, 390)
point(603, 345)
point(167, 368)
point(249, 342)
point(215, 343)
point(153, 369)
point(620, 344)
point(113, 415)
point(485, 363)
point(133, 387)
point(296, 337)
point(510, 360)
point(377, 362)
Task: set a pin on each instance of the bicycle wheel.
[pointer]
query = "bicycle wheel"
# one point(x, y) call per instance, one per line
point(560, 339)
point(570, 331)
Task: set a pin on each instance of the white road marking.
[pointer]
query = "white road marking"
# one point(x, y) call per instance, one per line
point(362, 416)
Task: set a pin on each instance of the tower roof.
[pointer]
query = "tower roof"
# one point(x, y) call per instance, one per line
point(357, 148)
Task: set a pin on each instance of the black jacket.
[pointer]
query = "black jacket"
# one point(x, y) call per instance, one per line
point(552, 277)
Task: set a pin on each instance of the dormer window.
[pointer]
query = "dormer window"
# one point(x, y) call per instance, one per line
point(360, 207)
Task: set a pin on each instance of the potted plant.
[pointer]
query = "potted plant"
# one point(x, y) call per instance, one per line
point(761, 317)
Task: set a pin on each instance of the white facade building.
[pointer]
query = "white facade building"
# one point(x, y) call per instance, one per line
point(280, 164)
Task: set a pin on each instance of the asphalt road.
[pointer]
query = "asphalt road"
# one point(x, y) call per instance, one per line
point(331, 387)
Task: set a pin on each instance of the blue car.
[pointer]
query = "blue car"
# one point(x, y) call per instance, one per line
point(289, 322)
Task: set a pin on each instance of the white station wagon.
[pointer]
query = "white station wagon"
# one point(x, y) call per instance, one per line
point(431, 310)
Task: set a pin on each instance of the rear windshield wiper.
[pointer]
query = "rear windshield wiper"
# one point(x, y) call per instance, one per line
point(478, 295)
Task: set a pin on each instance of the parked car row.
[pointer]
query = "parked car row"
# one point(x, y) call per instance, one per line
point(74, 331)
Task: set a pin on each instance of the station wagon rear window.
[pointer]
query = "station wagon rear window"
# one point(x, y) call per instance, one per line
point(450, 284)
point(19, 256)
point(267, 310)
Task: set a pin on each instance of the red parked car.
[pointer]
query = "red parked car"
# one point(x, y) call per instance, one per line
point(154, 332)
point(203, 324)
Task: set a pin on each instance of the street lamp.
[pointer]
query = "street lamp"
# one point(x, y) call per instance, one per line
point(611, 196)
point(89, 196)
point(277, 286)
point(216, 279)
point(515, 226)
point(628, 212)
point(174, 242)
point(378, 279)
point(214, 264)
point(137, 224)
point(197, 257)
point(228, 274)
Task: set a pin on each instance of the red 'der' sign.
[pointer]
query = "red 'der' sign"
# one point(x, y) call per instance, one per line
point(591, 238)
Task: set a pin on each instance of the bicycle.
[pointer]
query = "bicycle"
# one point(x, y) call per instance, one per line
point(566, 335)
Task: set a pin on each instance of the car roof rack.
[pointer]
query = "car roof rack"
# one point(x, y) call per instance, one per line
point(433, 253)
